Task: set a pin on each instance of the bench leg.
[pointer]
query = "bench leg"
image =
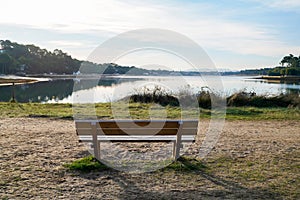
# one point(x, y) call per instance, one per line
point(96, 143)
point(97, 149)
point(177, 143)
point(174, 150)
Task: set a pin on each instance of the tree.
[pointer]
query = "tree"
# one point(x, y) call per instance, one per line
point(290, 61)
point(5, 63)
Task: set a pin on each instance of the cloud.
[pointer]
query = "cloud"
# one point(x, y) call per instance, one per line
point(293, 5)
point(63, 43)
point(202, 22)
point(78, 49)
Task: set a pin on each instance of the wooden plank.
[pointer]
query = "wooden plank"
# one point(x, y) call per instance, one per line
point(136, 120)
point(136, 124)
point(137, 138)
point(190, 131)
point(153, 126)
point(140, 132)
point(130, 125)
point(139, 124)
point(116, 131)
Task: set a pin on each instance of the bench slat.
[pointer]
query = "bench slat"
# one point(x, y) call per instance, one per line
point(136, 138)
point(139, 131)
point(136, 124)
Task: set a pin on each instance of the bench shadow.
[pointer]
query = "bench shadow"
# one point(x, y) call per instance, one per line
point(230, 191)
point(130, 185)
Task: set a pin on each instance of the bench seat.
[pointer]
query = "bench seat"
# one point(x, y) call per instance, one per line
point(176, 131)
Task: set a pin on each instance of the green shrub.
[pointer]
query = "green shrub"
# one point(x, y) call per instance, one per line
point(155, 95)
point(205, 97)
point(250, 99)
point(239, 99)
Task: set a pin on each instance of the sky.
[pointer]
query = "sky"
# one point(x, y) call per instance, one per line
point(236, 34)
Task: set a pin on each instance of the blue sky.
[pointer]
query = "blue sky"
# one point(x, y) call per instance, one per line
point(236, 34)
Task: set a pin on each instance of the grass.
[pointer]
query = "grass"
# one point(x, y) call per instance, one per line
point(252, 113)
point(142, 111)
point(35, 110)
point(86, 164)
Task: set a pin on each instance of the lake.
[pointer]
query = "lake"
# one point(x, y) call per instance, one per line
point(114, 88)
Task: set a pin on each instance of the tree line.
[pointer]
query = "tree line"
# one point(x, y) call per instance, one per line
point(290, 65)
point(17, 58)
point(29, 59)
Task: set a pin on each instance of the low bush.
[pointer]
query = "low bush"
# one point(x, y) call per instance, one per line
point(154, 95)
point(205, 97)
point(261, 101)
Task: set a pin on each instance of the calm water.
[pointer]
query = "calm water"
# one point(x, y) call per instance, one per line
point(114, 88)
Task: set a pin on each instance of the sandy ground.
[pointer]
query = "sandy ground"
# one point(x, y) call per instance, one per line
point(33, 150)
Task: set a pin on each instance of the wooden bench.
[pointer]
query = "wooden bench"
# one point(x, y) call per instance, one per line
point(176, 131)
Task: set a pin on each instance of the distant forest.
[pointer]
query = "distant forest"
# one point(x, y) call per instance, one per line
point(22, 59)
point(29, 59)
point(290, 66)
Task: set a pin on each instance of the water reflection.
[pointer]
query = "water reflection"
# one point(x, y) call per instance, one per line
point(52, 91)
point(284, 87)
point(111, 88)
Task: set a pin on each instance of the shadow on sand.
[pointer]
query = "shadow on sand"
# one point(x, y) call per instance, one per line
point(158, 185)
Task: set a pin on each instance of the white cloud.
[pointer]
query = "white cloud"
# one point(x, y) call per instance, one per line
point(79, 50)
point(77, 16)
point(281, 4)
point(63, 43)
point(199, 21)
point(287, 3)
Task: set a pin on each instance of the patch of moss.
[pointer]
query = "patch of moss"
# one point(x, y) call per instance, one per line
point(86, 164)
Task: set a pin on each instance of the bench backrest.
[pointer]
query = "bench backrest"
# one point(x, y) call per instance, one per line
point(136, 127)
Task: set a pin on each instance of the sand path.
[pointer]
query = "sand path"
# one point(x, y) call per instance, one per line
point(33, 150)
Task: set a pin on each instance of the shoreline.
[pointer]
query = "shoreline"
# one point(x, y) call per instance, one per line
point(279, 78)
point(4, 81)
point(18, 80)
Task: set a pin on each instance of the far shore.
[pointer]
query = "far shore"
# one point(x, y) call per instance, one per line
point(279, 78)
point(16, 81)
point(33, 78)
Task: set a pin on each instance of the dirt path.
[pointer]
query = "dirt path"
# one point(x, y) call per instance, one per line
point(33, 150)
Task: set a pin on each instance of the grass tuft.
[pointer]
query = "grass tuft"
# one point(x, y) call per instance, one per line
point(86, 164)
